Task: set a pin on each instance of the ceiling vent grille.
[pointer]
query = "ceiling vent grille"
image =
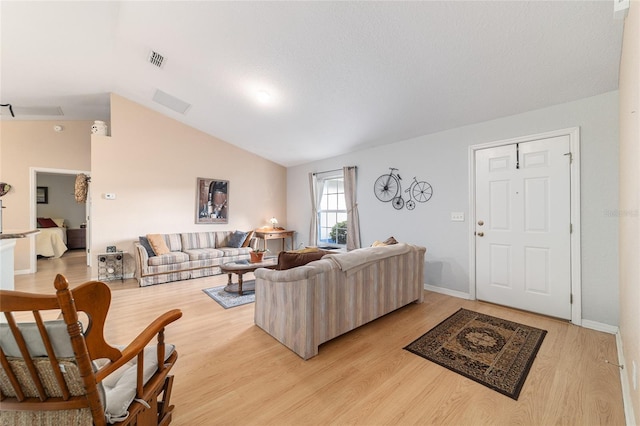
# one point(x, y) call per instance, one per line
point(156, 59)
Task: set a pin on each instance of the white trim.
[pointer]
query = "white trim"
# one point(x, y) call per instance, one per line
point(626, 387)
point(576, 258)
point(448, 292)
point(599, 326)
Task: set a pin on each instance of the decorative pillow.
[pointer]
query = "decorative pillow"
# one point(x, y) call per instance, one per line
point(247, 240)
point(158, 244)
point(305, 250)
point(59, 221)
point(144, 242)
point(45, 222)
point(389, 241)
point(288, 260)
point(236, 239)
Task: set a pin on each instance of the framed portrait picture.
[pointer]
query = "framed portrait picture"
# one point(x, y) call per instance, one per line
point(42, 195)
point(212, 201)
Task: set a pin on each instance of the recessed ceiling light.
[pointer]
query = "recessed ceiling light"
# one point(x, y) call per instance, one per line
point(263, 96)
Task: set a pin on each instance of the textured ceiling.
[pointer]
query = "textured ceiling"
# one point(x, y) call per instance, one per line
point(342, 75)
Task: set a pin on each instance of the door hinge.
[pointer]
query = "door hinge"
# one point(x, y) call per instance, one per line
point(571, 228)
point(570, 157)
point(571, 298)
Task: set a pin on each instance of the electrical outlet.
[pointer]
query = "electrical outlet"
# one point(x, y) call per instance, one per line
point(110, 196)
point(457, 216)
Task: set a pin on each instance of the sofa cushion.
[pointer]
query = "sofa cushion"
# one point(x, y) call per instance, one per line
point(230, 251)
point(158, 244)
point(168, 258)
point(288, 260)
point(204, 253)
point(144, 242)
point(198, 240)
point(236, 239)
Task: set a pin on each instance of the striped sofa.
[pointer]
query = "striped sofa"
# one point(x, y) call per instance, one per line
point(308, 305)
point(193, 255)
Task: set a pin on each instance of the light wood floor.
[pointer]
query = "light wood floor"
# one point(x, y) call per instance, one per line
point(230, 372)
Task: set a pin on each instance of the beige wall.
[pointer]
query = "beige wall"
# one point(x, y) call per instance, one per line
point(151, 163)
point(629, 199)
point(28, 144)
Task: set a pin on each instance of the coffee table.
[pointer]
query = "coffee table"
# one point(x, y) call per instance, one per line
point(241, 267)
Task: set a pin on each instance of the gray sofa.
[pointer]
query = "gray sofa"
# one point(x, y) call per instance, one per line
point(193, 255)
point(305, 306)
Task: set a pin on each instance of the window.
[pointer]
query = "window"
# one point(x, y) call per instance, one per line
point(332, 211)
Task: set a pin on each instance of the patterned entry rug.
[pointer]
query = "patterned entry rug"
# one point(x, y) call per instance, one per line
point(229, 300)
point(492, 351)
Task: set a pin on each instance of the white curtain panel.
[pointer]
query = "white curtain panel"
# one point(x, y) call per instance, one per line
point(313, 231)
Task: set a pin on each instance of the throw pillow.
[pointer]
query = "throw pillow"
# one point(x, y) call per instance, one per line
point(236, 239)
point(247, 240)
point(158, 244)
point(45, 222)
point(390, 241)
point(288, 260)
point(144, 242)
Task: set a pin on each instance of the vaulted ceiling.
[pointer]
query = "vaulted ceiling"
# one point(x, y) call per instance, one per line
point(299, 81)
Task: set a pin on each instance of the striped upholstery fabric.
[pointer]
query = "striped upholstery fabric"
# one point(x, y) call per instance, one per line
point(229, 251)
point(198, 240)
point(169, 259)
point(204, 253)
point(174, 242)
point(308, 305)
point(193, 255)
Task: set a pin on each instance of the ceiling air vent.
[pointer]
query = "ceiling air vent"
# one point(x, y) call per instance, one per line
point(156, 59)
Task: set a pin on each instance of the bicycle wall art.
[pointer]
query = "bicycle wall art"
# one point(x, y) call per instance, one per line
point(388, 188)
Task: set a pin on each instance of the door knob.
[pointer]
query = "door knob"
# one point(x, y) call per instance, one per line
point(480, 234)
point(480, 223)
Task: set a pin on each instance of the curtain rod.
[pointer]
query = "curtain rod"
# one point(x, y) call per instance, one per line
point(335, 170)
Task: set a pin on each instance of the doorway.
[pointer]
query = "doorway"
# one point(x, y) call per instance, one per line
point(525, 232)
point(62, 206)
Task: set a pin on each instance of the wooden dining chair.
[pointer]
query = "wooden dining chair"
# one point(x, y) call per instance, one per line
point(63, 372)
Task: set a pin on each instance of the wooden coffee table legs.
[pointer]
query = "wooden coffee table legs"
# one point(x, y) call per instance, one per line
point(237, 288)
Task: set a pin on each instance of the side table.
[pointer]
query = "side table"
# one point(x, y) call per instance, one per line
point(111, 266)
point(274, 234)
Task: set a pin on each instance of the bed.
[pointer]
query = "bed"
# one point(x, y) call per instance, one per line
point(51, 241)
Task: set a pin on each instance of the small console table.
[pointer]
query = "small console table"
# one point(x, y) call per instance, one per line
point(273, 234)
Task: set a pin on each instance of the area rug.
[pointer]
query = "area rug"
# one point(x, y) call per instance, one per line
point(494, 352)
point(229, 300)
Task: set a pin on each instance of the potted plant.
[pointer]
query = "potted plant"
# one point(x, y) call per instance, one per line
point(256, 255)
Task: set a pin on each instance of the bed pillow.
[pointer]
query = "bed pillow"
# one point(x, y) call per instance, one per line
point(158, 244)
point(45, 222)
point(144, 242)
point(59, 221)
point(236, 239)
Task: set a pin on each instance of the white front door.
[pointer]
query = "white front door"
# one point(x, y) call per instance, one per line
point(523, 242)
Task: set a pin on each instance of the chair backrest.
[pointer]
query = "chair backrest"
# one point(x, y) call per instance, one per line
point(47, 369)
point(48, 363)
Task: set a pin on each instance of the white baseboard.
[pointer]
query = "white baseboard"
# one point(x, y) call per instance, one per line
point(626, 387)
point(448, 292)
point(22, 272)
point(598, 326)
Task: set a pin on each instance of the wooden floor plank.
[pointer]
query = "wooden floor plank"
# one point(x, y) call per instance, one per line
point(230, 372)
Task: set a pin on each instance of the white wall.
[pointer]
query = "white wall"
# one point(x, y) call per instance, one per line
point(442, 160)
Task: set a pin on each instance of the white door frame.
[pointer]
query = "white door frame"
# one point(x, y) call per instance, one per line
point(576, 275)
point(33, 211)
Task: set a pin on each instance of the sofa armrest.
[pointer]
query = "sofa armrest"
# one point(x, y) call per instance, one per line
point(142, 259)
point(298, 273)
